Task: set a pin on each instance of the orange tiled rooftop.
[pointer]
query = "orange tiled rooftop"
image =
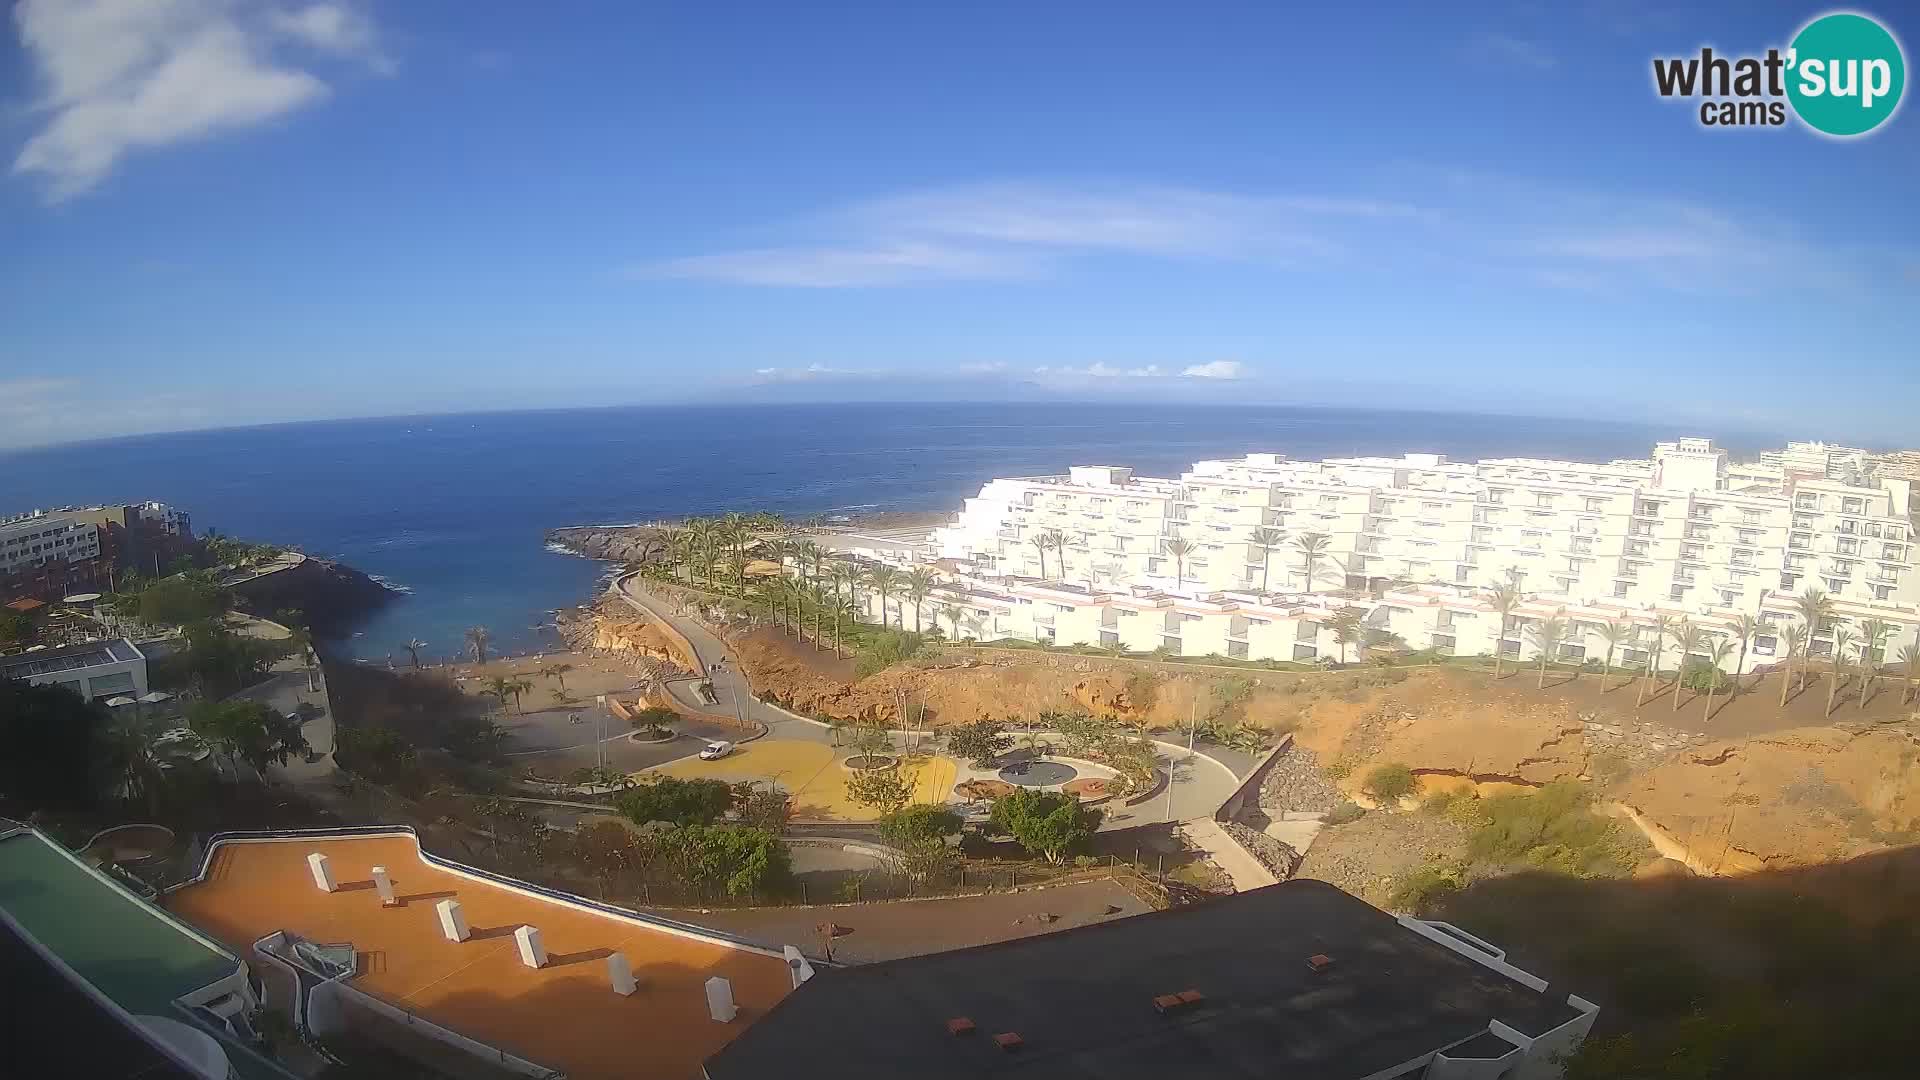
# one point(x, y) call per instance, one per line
point(564, 1016)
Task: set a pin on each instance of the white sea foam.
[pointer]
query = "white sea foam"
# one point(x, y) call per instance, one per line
point(391, 586)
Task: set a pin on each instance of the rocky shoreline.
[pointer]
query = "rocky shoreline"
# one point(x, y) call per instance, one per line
point(333, 596)
point(614, 543)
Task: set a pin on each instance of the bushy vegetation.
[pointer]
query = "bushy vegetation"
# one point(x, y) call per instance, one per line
point(979, 741)
point(685, 861)
point(680, 802)
point(884, 789)
point(1345, 814)
point(1047, 823)
point(1390, 783)
point(915, 824)
point(885, 649)
point(248, 731)
point(58, 752)
point(220, 661)
point(380, 755)
point(1700, 677)
point(1553, 829)
point(655, 721)
point(424, 709)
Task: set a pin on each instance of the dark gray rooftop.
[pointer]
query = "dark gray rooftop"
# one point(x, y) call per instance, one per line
point(1083, 1000)
point(67, 658)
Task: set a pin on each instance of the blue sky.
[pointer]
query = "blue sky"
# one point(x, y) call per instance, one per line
point(224, 212)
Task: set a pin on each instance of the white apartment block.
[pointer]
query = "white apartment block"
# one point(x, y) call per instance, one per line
point(37, 539)
point(1415, 542)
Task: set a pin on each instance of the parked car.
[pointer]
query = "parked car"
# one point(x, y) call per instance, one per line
point(716, 750)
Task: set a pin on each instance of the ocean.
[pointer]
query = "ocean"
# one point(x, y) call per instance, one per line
point(451, 509)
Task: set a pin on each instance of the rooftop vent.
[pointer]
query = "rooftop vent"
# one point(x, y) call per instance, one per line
point(960, 1025)
point(1009, 1041)
point(1319, 963)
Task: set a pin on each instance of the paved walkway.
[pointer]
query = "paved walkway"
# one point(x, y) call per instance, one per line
point(285, 691)
point(1243, 869)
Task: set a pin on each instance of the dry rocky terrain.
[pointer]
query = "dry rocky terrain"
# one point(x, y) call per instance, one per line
point(1750, 787)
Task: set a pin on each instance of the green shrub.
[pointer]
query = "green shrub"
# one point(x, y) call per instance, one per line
point(682, 802)
point(885, 649)
point(1417, 890)
point(918, 823)
point(1699, 677)
point(1047, 823)
point(1390, 782)
point(1553, 829)
point(1345, 813)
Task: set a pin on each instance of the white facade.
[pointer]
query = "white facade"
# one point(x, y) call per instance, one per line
point(93, 669)
point(1414, 542)
point(41, 538)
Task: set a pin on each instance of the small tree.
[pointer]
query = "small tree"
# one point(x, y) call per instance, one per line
point(885, 790)
point(654, 720)
point(762, 806)
point(1047, 823)
point(248, 731)
point(913, 824)
point(737, 861)
point(1390, 783)
point(980, 741)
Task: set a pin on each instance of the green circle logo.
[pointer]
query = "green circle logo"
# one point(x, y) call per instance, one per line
point(1845, 74)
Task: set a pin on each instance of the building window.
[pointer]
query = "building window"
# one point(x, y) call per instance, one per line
point(1619, 588)
point(1678, 592)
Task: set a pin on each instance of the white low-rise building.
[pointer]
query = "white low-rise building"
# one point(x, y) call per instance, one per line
point(1253, 556)
point(92, 669)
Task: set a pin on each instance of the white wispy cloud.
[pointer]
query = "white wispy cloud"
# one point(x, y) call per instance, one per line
point(1510, 50)
point(1019, 230)
point(115, 76)
point(1099, 370)
point(1218, 369)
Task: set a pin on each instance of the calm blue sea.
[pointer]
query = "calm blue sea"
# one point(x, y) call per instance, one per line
point(452, 508)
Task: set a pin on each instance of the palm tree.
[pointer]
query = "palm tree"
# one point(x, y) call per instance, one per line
point(1179, 549)
point(708, 537)
point(683, 544)
point(499, 688)
point(883, 580)
point(1717, 651)
point(478, 638)
point(840, 574)
point(1910, 657)
point(517, 687)
point(1687, 638)
point(1662, 626)
point(1504, 599)
point(953, 614)
point(919, 583)
point(1266, 539)
point(977, 624)
point(1746, 626)
point(735, 533)
point(1795, 638)
point(558, 673)
point(1345, 625)
point(1312, 547)
point(1873, 640)
point(413, 647)
point(1615, 632)
point(1546, 635)
point(1814, 607)
point(1842, 641)
point(1041, 544)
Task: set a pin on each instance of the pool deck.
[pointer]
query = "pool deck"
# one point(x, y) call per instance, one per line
point(564, 1015)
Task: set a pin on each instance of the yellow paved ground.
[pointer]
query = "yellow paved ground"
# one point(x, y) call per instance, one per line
point(812, 774)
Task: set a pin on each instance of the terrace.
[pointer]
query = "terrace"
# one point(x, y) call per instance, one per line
point(563, 1015)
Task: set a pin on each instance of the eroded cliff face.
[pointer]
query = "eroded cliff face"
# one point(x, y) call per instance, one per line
point(333, 596)
point(1790, 798)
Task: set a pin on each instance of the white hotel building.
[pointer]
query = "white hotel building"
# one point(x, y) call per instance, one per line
point(1416, 541)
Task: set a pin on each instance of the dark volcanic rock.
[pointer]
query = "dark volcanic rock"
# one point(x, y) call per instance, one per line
point(333, 596)
point(618, 543)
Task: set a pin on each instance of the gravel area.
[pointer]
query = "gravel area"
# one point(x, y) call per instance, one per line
point(1296, 783)
point(1271, 853)
point(1363, 857)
